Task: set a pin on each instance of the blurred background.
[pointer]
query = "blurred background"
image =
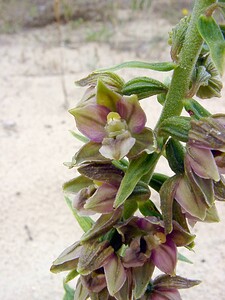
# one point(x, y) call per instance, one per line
point(46, 45)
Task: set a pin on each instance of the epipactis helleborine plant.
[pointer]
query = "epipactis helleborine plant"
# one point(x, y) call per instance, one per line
point(132, 236)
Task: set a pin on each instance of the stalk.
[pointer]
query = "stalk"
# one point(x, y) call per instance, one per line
point(188, 57)
point(182, 75)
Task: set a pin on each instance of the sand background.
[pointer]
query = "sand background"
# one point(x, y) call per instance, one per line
point(38, 68)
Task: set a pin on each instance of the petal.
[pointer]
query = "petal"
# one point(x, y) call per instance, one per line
point(165, 257)
point(81, 292)
point(115, 274)
point(94, 255)
point(166, 294)
point(117, 148)
point(103, 172)
point(90, 120)
point(106, 97)
point(220, 162)
point(125, 293)
point(145, 141)
point(89, 153)
point(81, 197)
point(68, 259)
point(130, 110)
point(163, 282)
point(102, 200)
point(134, 257)
point(94, 282)
point(203, 163)
point(190, 200)
point(208, 133)
point(102, 225)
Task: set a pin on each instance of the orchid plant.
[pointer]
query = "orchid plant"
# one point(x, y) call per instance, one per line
point(132, 236)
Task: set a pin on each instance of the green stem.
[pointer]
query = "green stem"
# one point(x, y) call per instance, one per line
point(188, 57)
point(182, 75)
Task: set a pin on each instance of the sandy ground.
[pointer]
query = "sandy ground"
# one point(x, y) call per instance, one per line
point(35, 223)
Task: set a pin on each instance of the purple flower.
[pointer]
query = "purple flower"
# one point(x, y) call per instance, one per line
point(204, 164)
point(115, 122)
point(165, 287)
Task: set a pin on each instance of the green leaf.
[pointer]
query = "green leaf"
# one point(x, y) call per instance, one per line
point(183, 258)
point(196, 110)
point(162, 66)
point(211, 33)
point(157, 181)
point(137, 168)
point(79, 137)
point(176, 127)
point(175, 155)
point(143, 87)
point(84, 222)
point(69, 292)
point(71, 275)
point(148, 208)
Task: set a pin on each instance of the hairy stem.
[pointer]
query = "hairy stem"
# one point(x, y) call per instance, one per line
point(188, 57)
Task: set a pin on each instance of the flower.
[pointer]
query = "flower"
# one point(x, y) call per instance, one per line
point(115, 122)
point(204, 165)
point(165, 287)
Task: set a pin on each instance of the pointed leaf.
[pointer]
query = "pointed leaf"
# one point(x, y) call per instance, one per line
point(79, 137)
point(71, 275)
point(137, 168)
point(85, 222)
point(183, 258)
point(157, 181)
point(196, 110)
point(175, 153)
point(211, 33)
point(162, 66)
point(143, 87)
point(69, 292)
